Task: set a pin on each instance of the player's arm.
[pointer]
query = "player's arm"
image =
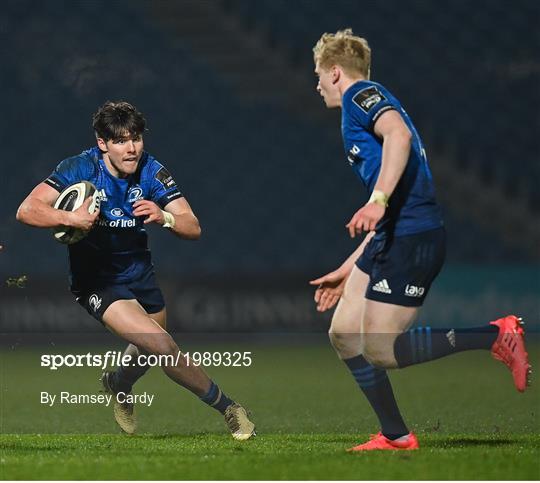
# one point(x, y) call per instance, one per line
point(37, 210)
point(177, 216)
point(396, 148)
point(330, 286)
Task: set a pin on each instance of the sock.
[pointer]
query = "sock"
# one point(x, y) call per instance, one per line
point(217, 399)
point(376, 386)
point(125, 376)
point(424, 344)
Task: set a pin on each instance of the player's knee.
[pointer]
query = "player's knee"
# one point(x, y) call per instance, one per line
point(346, 344)
point(161, 344)
point(336, 339)
point(160, 319)
point(379, 355)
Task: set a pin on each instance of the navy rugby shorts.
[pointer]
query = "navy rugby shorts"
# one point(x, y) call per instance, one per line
point(402, 269)
point(98, 298)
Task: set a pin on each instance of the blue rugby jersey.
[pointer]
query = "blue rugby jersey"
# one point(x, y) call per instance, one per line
point(116, 249)
point(412, 207)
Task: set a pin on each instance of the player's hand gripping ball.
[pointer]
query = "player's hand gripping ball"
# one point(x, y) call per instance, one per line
point(71, 199)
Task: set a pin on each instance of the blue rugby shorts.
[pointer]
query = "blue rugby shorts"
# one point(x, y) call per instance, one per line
point(402, 269)
point(97, 298)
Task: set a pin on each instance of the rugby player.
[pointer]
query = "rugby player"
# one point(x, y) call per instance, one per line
point(380, 287)
point(112, 275)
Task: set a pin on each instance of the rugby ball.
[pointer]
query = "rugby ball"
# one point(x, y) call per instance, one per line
point(69, 200)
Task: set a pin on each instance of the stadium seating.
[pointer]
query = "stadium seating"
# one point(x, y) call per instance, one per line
point(272, 191)
point(478, 115)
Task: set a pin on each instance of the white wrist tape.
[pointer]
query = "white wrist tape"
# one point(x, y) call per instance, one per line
point(170, 221)
point(379, 198)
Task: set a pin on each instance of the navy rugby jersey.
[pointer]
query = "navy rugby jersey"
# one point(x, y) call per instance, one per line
point(412, 207)
point(116, 249)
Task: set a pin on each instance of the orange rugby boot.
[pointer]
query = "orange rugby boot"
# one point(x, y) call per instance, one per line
point(380, 442)
point(509, 348)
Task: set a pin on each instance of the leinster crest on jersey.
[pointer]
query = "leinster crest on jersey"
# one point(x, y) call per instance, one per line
point(135, 193)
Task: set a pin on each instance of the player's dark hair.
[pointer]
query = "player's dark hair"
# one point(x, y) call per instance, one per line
point(115, 120)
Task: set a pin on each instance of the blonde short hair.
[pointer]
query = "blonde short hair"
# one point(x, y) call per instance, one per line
point(350, 52)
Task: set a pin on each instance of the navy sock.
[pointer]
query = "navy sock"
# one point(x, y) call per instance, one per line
point(423, 344)
point(125, 376)
point(217, 399)
point(376, 386)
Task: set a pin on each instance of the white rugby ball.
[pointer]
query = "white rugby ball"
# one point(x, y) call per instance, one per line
point(70, 199)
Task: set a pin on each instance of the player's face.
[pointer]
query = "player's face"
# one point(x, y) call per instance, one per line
point(123, 154)
point(327, 86)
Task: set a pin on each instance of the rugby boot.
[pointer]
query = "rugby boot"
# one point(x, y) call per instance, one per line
point(124, 413)
point(238, 422)
point(509, 348)
point(380, 442)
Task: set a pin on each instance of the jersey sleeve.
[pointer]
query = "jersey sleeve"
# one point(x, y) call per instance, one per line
point(164, 188)
point(68, 171)
point(368, 104)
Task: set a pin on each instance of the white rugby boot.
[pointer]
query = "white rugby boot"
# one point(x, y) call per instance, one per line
point(124, 413)
point(238, 422)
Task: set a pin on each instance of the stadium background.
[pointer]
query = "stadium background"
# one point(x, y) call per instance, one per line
point(228, 89)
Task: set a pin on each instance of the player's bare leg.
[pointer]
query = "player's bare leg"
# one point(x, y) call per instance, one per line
point(347, 338)
point(129, 320)
point(125, 376)
point(345, 329)
point(381, 325)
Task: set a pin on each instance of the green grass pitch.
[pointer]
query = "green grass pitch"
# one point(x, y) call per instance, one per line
point(471, 422)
